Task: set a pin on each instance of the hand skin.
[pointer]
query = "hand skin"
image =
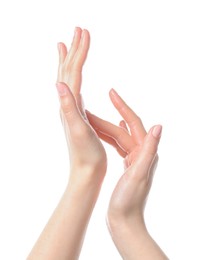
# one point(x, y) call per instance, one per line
point(125, 217)
point(62, 238)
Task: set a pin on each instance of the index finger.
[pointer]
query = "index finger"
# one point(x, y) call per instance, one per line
point(135, 124)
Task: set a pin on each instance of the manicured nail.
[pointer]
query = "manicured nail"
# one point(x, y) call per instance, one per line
point(62, 89)
point(156, 132)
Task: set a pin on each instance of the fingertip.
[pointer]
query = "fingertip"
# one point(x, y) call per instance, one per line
point(115, 99)
point(112, 92)
point(77, 31)
point(157, 131)
point(85, 38)
point(77, 28)
point(85, 31)
point(123, 125)
point(87, 111)
point(61, 45)
point(89, 115)
point(112, 95)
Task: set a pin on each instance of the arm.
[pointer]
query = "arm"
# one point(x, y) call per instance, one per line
point(125, 218)
point(62, 238)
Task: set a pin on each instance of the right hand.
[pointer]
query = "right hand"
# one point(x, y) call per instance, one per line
point(139, 150)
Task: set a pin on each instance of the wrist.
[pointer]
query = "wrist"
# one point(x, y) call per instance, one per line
point(120, 225)
point(89, 175)
point(85, 183)
point(133, 240)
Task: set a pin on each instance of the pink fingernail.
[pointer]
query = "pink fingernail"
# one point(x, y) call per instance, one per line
point(62, 89)
point(156, 132)
point(113, 91)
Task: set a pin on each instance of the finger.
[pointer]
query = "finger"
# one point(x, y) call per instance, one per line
point(69, 107)
point(82, 51)
point(62, 52)
point(151, 142)
point(134, 122)
point(123, 124)
point(112, 142)
point(62, 56)
point(148, 154)
point(74, 45)
point(119, 134)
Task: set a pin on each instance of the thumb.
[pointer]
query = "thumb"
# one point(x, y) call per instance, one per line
point(68, 105)
point(148, 154)
point(151, 143)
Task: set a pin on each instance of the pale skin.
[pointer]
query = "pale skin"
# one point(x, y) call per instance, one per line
point(63, 236)
point(125, 216)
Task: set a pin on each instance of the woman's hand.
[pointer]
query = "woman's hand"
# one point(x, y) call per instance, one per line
point(85, 148)
point(125, 218)
point(139, 150)
point(63, 236)
point(86, 151)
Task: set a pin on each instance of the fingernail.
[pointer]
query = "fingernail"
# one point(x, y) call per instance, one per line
point(114, 95)
point(76, 31)
point(156, 132)
point(113, 92)
point(62, 89)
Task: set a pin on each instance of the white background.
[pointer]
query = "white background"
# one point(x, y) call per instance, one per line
point(151, 53)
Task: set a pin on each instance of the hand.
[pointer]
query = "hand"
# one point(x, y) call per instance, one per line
point(85, 148)
point(139, 150)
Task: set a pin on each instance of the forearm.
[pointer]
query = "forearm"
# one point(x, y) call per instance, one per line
point(63, 235)
point(134, 242)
